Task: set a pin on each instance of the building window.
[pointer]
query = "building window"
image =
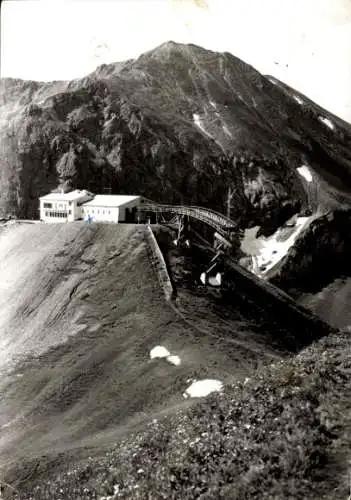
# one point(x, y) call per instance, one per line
point(60, 215)
point(92, 211)
point(109, 211)
point(47, 205)
point(70, 212)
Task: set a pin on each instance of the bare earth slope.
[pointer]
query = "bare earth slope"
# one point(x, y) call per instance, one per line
point(81, 307)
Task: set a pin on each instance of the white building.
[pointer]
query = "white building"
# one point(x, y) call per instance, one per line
point(112, 208)
point(63, 207)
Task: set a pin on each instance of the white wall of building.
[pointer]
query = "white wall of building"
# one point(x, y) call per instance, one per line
point(58, 210)
point(51, 209)
point(107, 209)
point(67, 207)
point(101, 213)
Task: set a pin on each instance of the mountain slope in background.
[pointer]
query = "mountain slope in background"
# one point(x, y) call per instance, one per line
point(178, 124)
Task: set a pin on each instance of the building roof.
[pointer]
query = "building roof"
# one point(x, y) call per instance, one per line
point(71, 196)
point(110, 200)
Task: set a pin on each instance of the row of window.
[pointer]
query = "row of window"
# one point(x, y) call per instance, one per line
point(87, 210)
point(62, 215)
point(57, 205)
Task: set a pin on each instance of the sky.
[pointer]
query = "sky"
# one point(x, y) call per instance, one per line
point(305, 43)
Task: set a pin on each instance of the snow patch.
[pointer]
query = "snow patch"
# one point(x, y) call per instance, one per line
point(198, 122)
point(298, 99)
point(213, 104)
point(226, 130)
point(305, 172)
point(159, 352)
point(174, 360)
point(274, 248)
point(202, 388)
point(327, 122)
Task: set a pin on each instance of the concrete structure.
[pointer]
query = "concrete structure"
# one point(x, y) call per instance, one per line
point(63, 207)
point(112, 208)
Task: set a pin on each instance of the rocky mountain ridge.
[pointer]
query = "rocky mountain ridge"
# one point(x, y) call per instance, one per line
point(179, 124)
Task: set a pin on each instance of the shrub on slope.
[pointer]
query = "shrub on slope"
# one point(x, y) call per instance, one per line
point(283, 434)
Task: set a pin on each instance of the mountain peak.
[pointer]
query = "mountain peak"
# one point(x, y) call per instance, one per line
point(172, 109)
point(169, 47)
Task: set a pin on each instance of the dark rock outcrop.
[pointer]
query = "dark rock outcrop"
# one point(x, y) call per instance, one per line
point(320, 255)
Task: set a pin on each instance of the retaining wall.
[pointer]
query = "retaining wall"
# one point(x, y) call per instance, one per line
point(160, 265)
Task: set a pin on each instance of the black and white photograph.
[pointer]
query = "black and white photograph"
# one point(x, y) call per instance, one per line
point(175, 250)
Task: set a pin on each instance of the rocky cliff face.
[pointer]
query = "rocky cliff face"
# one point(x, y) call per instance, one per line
point(317, 269)
point(320, 255)
point(179, 124)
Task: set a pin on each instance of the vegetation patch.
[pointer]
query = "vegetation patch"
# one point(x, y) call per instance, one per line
point(281, 434)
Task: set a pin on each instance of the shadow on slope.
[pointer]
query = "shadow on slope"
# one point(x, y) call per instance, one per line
point(275, 319)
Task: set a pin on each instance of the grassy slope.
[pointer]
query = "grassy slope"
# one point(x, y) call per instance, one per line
point(81, 308)
point(284, 434)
